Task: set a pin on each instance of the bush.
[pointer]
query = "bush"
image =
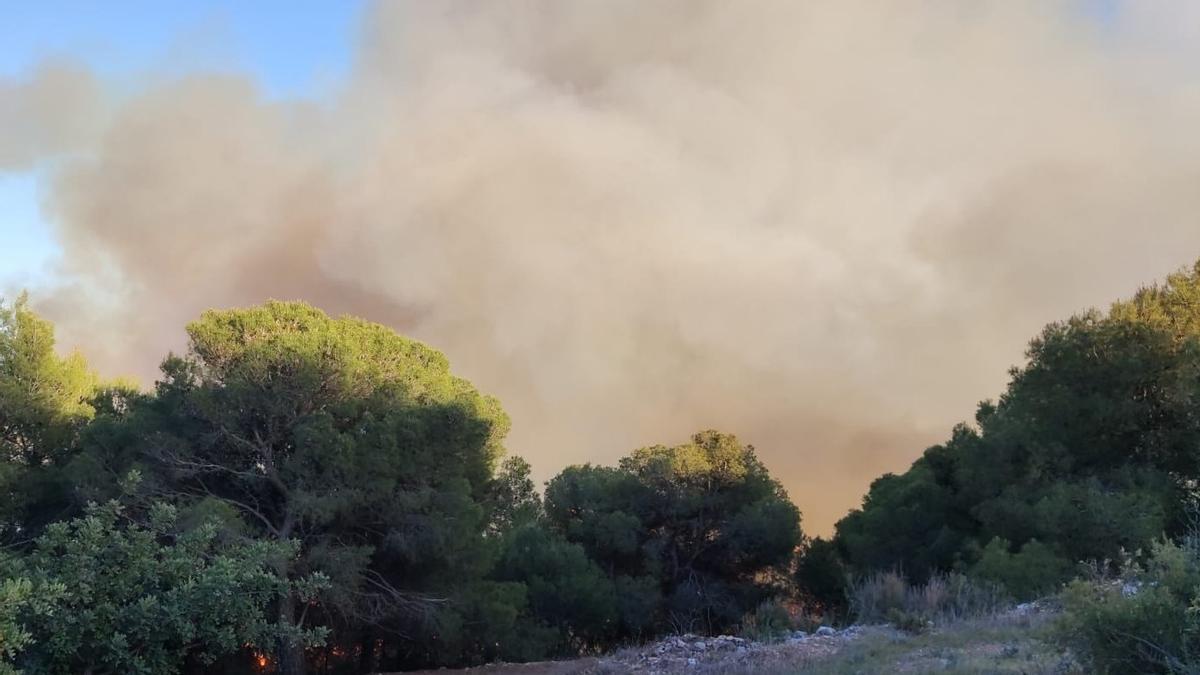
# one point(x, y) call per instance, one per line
point(771, 620)
point(701, 530)
point(888, 597)
point(566, 590)
point(98, 595)
point(873, 596)
point(821, 576)
point(21, 603)
point(909, 622)
point(1144, 620)
point(1034, 570)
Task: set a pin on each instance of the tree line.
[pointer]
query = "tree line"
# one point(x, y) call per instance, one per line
point(1092, 450)
point(300, 493)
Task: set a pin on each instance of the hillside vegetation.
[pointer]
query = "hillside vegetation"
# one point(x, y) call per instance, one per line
point(300, 493)
point(1092, 449)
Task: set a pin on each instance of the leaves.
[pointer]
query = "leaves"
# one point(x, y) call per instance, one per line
point(703, 518)
point(1089, 451)
point(115, 596)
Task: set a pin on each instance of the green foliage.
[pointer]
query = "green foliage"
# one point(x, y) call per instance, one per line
point(770, 620)
point(1146, 620)
point(1173, 307)
point(512, 498)
point(904, 522)
point(704, 520)
point(339, 434)
point(821, 576)
point(45, 399)
point(1031, 572)
point(567, 591)
point(1089, 451)
point(98, 595)
point(295, 479)
point(639, 605)
point(481, 622)
point(21, 603)
point(1087, 518)
point(908, 621)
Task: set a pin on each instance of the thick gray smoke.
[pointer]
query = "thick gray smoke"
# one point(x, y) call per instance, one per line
point(828, 227)
point(57, 109)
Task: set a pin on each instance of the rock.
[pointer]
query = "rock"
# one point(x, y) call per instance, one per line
point(1026, 609)
point(1066, 665)
point(825, 631)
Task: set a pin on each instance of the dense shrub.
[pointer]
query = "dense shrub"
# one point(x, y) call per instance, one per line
point(1031, 572)
point(327, 478)
point(99, 595)
point(568, 594)
point(1144, 620)
point(822, 577)
point(1087, 451)
point(770, 620)
point(702, 527)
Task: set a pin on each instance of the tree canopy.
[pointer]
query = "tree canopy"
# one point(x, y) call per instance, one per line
point(45, 400)
point(337, 434)
point(307, 492)
point(348, 493)
point(102, 594)
point(701, 522)
point(1089, 451)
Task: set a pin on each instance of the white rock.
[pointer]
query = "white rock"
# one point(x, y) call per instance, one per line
point(826, 630)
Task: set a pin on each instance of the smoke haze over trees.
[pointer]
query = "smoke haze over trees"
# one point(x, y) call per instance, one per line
point(304, 492)
point(826, 225)
point(299, 481)
point(1093, 450)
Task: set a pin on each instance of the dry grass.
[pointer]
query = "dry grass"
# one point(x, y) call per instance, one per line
point(884, 596)
point(1005, 643)
point(998, 645)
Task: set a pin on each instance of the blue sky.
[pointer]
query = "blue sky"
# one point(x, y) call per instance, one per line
point(294, 48)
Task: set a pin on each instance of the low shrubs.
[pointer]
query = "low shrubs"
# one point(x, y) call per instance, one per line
point(769, 621)
point(99, 594)
point(888, 597)
point(1145, 619)
point(1032, 571)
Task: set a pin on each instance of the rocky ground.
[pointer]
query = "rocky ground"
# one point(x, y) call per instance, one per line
point(1010, 643)
point(690, 654)
point(729, 654)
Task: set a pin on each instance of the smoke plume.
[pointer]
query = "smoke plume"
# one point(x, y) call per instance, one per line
point(56, 110)
point(828, 227)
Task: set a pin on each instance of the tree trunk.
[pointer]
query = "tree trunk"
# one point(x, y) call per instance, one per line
point(289, 654)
